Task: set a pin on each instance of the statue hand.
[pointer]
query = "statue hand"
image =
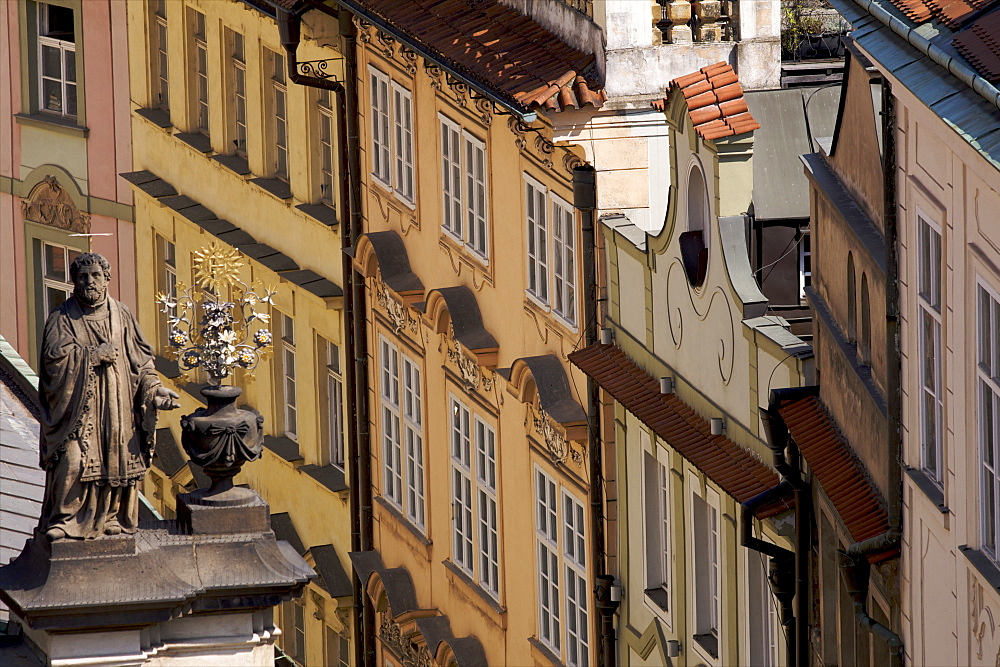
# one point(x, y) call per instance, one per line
point(106, 353)
point(164, 399)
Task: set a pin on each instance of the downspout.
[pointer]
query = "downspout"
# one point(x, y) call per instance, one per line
point(585, 200)
point(289, 30)
point(790, 469)
point(781, 566)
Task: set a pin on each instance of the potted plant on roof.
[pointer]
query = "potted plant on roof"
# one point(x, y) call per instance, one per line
point(218, 336)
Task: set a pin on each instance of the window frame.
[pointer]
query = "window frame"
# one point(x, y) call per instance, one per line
point(166, 255)
point(805, 262)
point(64, 47)
point(465, 193)
point(404, 469)
point(278, 102)
point(326, 124)
point(333, 404)
point(381, 120)
point(929, 312)
point(658, 519)
point(237, 66)
point(289, 377)
point(706, 538)
point(547, 249)
point(200, 109)
point(403, 171)
point(159, 56)
point(48, 283)
point(987, 378)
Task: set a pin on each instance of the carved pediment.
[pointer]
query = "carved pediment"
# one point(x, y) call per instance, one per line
point(50, 204)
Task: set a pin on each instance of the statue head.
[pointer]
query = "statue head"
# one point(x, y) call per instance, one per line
point(90, 273)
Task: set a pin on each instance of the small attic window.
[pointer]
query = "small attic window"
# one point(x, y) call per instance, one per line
point(694, 242)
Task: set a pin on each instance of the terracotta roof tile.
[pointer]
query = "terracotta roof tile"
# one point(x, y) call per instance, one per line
point(980, 45)
point(951, 13)
point(493, 44)
point(734, 469)
point(568, 92)
point(715, 101)
point(841, 475)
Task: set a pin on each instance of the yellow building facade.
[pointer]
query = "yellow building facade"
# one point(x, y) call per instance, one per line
point(228, 151)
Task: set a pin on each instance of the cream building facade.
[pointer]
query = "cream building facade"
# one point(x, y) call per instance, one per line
point(229, 151)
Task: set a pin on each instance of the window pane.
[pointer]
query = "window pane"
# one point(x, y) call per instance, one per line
point(55, 263)
point(51, 62)
point(70, 99)
point(54, 298)
point(52, 95)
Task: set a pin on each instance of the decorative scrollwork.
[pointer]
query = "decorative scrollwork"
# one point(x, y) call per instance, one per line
point(392, 638)
point(409, 57)
point(387, 42)
point(319, 69)
point(460, 90)
point(434, 72)
point(485, 108)
point(362, 27)
point(51, 205)
point(554, 441)
point(571, 161)
point(518, 127)
point(397, 313)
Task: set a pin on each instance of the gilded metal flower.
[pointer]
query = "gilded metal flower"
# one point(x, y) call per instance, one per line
point(178, 338)
point(262, 338)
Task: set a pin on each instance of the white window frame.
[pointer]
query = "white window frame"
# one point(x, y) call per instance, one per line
point(402, 143)
point(658, 522)
point(805, 262)
point(488, 575)
point(561, 552)
point(279, 113)
point(381, 143)
point(167, 253)
point(334, 404)
point(65, 286)
point(465, 188)
point(289, 382)
point(66, 50)
point(161, 77)
point(462, 511)
point(551, 246)
point(199, 70)
point(929, 309)
point(988, 413)
point(238, 65)
point(328, 157)
point(705, 558)
point(764, 627)
point(401, 420)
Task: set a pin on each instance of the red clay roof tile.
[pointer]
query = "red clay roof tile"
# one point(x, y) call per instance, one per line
point(980, 45)
point(569, 92)
point(841, 475)
point(715, 101)
point(951, 13)
point(734, 469)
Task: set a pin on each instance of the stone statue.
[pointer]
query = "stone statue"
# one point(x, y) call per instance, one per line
point(100, 395)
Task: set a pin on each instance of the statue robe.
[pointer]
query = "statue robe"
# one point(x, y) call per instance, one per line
point(98, 421)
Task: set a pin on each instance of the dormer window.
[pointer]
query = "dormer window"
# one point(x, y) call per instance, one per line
point(694, 241)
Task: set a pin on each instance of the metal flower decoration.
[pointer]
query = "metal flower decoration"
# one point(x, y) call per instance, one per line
point(210, 333)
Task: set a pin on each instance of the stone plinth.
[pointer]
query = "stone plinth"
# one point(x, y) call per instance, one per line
point(197, 592)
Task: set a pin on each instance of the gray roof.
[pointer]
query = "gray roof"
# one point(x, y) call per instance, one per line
point(791, 121)
point(960, 107)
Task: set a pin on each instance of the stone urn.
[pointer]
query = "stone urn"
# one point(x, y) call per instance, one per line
point(221, 438)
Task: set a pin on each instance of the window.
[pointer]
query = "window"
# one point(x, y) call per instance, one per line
point(657, 508)
point(560, 537)
point(988, 419)
point(763, 616)
point(159, 44)
point(865, 340)
point(334, 400)
point(929, 323)
point(852, 300)
point(57, 285)
point(705, 521)
point(463, 175)
point(694, 242)
point(324, 105)
point(551, 279)
point(402, 401)
point(392, 149)
point(279, 112)
point(294, 636)
point(199, 69)
point(474, 498)
point(805, 262)
point(167, 256)
point(238, 68)
point(402, 124)
point(288, 387)
point(57, 60)
point(338, 649)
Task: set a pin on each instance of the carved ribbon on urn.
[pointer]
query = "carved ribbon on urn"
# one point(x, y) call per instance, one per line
point(51, 205)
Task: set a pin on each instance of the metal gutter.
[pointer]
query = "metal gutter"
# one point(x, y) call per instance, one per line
point(957, 68)
point(468, 78)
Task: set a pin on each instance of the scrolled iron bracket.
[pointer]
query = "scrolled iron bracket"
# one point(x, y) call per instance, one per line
point(320, 69)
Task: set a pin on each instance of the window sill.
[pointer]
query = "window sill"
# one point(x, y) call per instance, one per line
point(535, 305)
point(923, 482)
point(234, 163)
point(709, 643)
point(396, 514)
point(465, 251)
point(405, 201)
point(157, 117)
point(284, 447)
point(320, 213)
point(544, 652)
point(50, 122)
point(467, 580)
point(274, 187)
point(658, 597)
point(330, 476)
point(987, 569)
point(196, 140)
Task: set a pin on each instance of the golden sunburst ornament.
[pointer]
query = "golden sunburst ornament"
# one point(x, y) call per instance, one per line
point(216, 266)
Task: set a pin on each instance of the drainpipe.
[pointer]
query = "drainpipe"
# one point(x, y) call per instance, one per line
point(356, 371)
point(789, 467)
point(781, 566)
point(585, 200)
point(855, 571)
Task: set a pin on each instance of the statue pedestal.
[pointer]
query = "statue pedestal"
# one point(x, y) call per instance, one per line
point(195, 592)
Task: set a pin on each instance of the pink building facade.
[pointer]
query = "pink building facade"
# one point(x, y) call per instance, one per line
point(64, 138)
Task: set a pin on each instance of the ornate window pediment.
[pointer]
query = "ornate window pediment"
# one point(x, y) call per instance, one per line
point(50, 204)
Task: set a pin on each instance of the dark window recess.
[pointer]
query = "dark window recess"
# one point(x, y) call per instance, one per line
point(709, 642)
point(58, 23)
point(658, 597)
point(694, 254)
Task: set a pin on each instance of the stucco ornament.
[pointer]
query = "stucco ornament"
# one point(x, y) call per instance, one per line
point(559, 448)
point(396, 312)
point(99, 396)
point(711, 309)
point(392, 637)
point(51, 205)
point(468, 368)
point(983, 627)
